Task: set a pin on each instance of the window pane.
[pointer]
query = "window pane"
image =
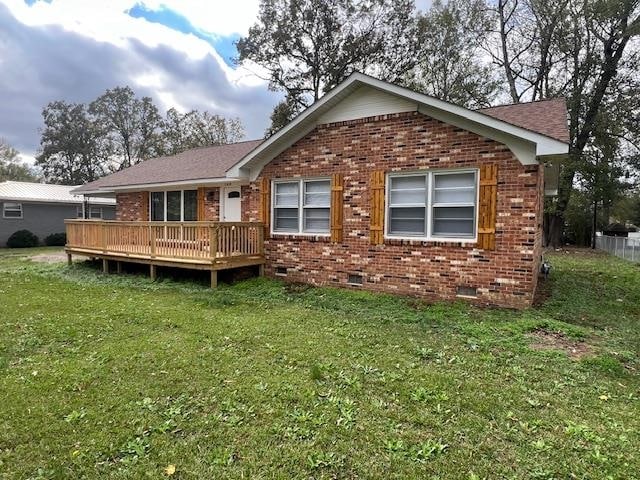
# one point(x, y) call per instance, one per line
point(454, 180)
point(317, 193)
point(408, 190)
point(174, 206)
point(454, 188)
point(190, 205)
point(95, 212)
point(316, 220)
point(157, 206)
point(286, 194)
point(454, 221)
point(409, 221)
point(286, 219)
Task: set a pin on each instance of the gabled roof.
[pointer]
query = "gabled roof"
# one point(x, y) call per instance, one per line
point(44, 193)
point(204, 163)
point(548, 117)
point(531, 130)
point(526, 144)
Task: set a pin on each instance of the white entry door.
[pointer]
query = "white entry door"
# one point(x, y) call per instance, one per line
point(232, 208)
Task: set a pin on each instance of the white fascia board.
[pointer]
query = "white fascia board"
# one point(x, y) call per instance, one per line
point(183, 183)
point(525, 144)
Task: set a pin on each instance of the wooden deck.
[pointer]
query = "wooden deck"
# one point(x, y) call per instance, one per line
point(169, 244)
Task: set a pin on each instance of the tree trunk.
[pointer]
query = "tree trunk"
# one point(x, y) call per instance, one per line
point(556, 229)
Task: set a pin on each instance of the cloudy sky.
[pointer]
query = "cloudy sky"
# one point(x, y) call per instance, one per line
point(176, 51)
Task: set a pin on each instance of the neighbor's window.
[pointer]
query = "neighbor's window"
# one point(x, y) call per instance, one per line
point(79, 213)
point(12, 210)
point(432, 205)
point(174, 206)
point(302, 206)
point(95, 212)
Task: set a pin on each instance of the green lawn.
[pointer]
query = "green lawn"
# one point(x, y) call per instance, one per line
point(118, 377)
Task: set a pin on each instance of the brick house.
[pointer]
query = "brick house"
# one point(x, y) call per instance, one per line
point(374, 187)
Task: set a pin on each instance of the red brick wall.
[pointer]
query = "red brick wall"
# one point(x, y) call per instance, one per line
point(132, 206)
point(434, 270)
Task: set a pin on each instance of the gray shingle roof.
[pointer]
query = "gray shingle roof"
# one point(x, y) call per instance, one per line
point(195, 164)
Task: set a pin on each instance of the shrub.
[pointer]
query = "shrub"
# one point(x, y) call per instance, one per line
point(22, 239)
point(56, 240)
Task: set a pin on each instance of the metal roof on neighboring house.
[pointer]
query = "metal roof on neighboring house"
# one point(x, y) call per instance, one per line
point(44, 193)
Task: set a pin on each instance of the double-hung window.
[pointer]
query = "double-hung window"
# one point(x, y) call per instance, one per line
point(12, 210)
point(438, 205)
point(174, 206)
point(302, 206)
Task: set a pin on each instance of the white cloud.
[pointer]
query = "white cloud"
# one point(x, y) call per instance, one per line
point(74, 49)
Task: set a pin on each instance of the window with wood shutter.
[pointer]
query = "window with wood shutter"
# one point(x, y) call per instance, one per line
point(488, 206)
point(302, 206)
point(376, 227)
point(337, 212)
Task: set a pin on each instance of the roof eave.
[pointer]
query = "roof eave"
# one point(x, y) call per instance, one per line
point(527, 145)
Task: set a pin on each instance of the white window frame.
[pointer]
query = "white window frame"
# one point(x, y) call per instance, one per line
point(301, 182)
point(93, 209)
point(164, 197)
point(429, 206)
point(80, 211)
point(19, 208)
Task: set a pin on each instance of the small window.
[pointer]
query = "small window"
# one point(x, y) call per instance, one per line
point(354, 279)
point(12, 210)
point(95, 212)
point(157, 206)
point(79, 212)
point(408, 205)
point(190, 213)
point(465, 291)
point(233, 194)
point(302, 206)
point(281, 271)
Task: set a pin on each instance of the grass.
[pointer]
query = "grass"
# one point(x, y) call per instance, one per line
point(119, 377)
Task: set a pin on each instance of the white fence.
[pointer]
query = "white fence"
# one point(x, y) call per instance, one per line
point(627, 248)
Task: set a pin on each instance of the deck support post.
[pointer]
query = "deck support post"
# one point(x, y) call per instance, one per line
point(152, 272)
point(118, 267)
point(105, 265)
point(214, 278)
point(261, 270)
point(69, 259)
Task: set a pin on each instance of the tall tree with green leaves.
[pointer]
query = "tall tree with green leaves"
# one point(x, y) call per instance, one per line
point(450, 62)
point(583, 50)
point(194, 129)
point(72, 150)
point(307, 47)
point(12, 168)
point(131, 125)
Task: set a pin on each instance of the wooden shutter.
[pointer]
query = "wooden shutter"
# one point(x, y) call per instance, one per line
point(488, 207)
point(265, 204)
point(201, 215)
point(376, 227)
point(337, 213)
point(145, 207)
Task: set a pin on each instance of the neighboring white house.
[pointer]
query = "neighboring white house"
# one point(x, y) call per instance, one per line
point(42, 208)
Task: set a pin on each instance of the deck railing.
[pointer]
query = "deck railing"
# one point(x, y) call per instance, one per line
point(170, 240)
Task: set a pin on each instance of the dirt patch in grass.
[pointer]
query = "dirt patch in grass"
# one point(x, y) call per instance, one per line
point(49, 257)
point(546, 340)
point(582, 252)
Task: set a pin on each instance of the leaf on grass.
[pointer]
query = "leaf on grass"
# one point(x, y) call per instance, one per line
point(170, 469)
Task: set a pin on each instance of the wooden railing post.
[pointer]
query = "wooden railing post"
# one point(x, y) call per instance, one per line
point(213, 242)
point(260, 245)
point(103, 231)
point(152, 239)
